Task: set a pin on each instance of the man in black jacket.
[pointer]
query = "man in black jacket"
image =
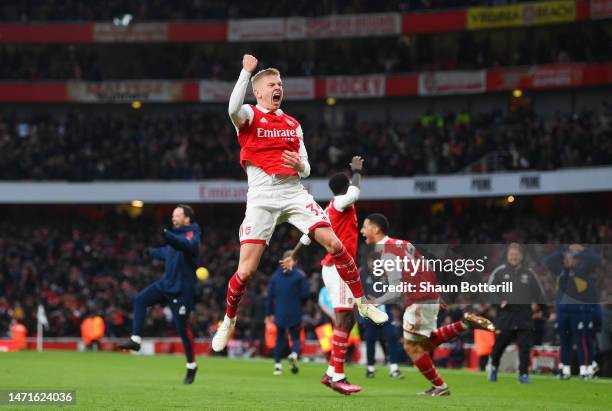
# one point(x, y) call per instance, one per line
point(514, 310)
point(176, 287)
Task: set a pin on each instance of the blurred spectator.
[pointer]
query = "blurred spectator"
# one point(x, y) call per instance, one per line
point(195, 145)
point(56, 10)
point(95, 264)
point(581, 43)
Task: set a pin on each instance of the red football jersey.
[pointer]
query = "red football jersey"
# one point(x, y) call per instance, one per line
point(344, 225)
point(403, 248)
point(264, 140)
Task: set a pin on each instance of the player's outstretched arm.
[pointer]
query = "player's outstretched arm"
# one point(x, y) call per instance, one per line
point(288, 262)
point(356, 168)
point(238, 112)
point(344, 201)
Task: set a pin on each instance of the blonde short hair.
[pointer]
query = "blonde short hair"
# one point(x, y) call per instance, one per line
point(262, 73)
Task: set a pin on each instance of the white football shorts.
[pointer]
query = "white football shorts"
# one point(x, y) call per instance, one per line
point(420, 320)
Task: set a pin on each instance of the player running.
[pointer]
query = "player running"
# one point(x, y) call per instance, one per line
point(181, 255)
point(343, 218)
point(273, 155)
point(420, 315)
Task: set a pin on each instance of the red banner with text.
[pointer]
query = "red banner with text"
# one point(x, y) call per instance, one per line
point(438, 83)
point(289, 28)
point(601, 9)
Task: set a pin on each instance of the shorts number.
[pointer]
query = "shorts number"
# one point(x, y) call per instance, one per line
point(313, 208)
point(317, 211)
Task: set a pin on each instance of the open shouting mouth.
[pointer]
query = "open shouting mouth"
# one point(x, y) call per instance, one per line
point(276, 97)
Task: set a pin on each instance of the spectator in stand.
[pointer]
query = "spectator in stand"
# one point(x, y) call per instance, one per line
point(53, 10)
point(560, 44)
point(85, 146)
point(93, 266)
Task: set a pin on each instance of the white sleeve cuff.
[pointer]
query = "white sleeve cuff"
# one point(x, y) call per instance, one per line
point(306, 171)
point(305, 240)
point(236, 101)
point(303, 155)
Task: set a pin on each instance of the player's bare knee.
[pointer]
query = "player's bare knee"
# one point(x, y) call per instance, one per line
point(245, 273)
point(334, 246)
point(412, 349)
point(344, 319)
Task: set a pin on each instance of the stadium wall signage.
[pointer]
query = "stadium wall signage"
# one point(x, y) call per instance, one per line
point(601, 9)
point(299, 28)
point(295, 28)
point(311, 88)
point(595, 179)
point(538, 13)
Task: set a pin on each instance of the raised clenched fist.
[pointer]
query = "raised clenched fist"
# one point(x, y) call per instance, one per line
point(356, 163)
point(249, 63)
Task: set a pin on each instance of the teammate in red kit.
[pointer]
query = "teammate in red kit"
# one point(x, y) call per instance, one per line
point(420, 315)
point(273, 155)
point(343, 218)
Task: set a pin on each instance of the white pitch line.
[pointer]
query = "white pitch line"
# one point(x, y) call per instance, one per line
point(536, 376)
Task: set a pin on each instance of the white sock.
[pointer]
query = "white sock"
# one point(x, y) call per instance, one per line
point(442, 386)
point(589, 369)
point(192, 365)
point(393, 368)
point(136, 338)
point(230, 320)
point(338, 376)
point(567, 370)
point(278, 365)
point(583, 370)
point(330, 371)
point(371, 368)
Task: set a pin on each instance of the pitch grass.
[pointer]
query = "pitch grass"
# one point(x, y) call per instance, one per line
point(115, 381)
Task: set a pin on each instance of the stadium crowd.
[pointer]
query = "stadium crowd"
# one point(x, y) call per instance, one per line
point(194, 145)
point(446, 51)
point(79, 261)
point(54, 10)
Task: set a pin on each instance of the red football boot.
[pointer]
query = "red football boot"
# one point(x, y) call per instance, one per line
point(326, 380)
point(345, 387)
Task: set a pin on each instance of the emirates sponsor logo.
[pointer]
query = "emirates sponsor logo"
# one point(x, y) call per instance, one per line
point(275, 133)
